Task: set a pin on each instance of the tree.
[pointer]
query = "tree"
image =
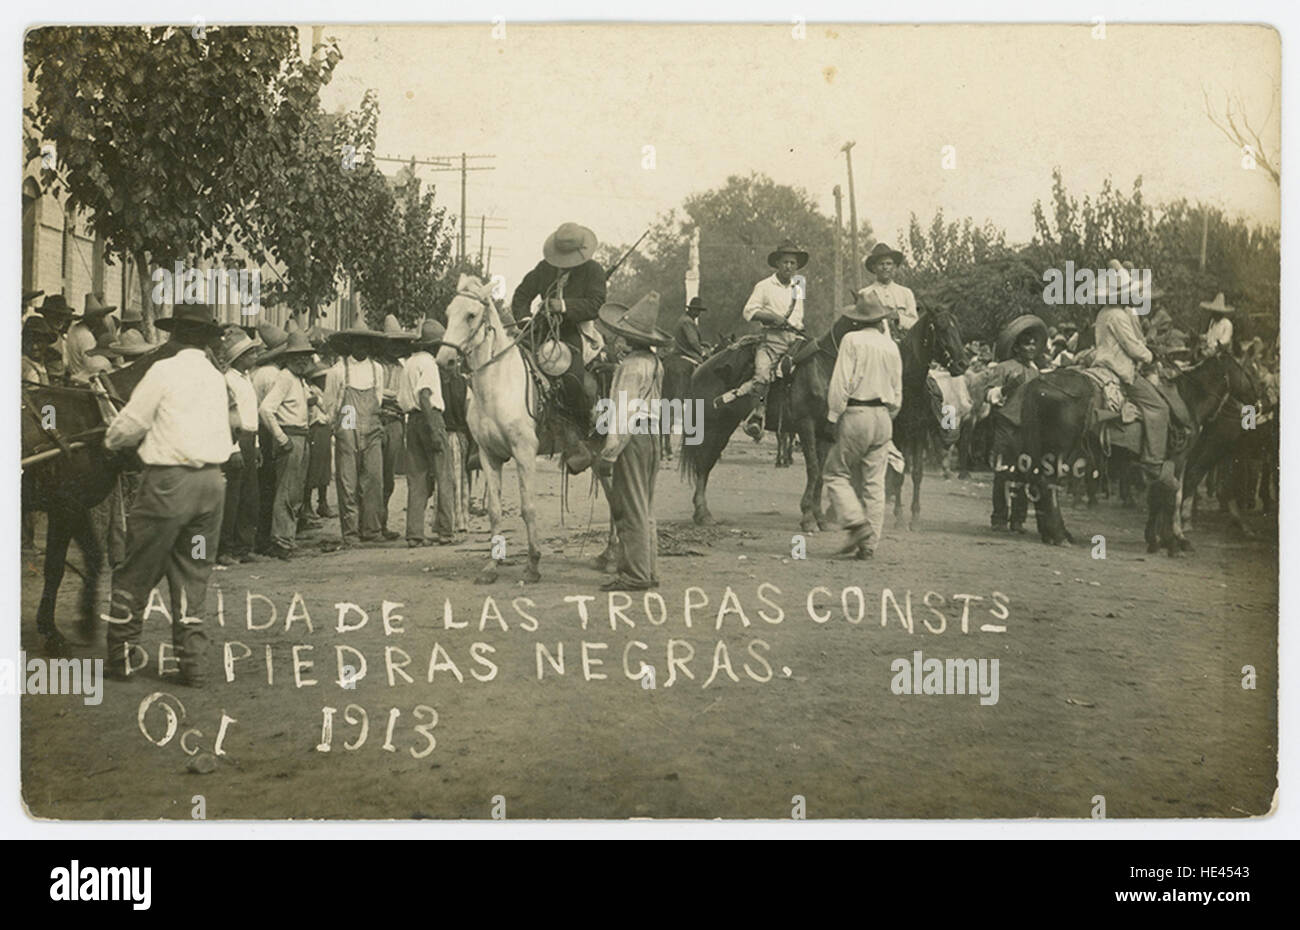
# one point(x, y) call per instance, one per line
point(739, 223)
point(152, 127)
point(1235, 126)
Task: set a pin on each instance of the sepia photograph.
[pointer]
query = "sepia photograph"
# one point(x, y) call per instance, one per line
point(590, 421)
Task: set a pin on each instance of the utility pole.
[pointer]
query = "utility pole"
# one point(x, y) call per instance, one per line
point(847, 149)
point(482, 228)
point(839, 248)
point(462, 206)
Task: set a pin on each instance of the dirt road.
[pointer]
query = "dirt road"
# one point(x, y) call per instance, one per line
point(1118, 677)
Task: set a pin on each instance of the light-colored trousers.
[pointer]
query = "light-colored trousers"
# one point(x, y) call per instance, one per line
point(858, 459)
point(359, 480)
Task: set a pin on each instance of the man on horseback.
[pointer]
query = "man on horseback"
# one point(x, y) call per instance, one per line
point(897, 299)
point(1121, 348)
point(686, 336)
point(777, 305)
point(571, 285)
point(179, 417)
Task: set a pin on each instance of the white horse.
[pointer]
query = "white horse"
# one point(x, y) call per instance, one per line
point(498, 408)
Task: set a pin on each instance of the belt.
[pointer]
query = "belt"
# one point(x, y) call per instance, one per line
point(294, 430)
point(874, 402)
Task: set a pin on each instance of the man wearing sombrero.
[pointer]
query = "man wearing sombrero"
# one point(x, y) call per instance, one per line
point(83, 336)
point(1218, 337)
point(178, 416)
point(897, 299)
point(1121, 348)
point(1016, 351)
point(864, 395)
point(354, 394)
point(776, 303)
point(571, 285)
point(38, 335)
point(630, 457)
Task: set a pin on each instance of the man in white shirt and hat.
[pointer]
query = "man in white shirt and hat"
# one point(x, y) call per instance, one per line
point(864, 396)
point(1218, 337)
point(897, 299)
point(428, 459)
point(179, 416)
point(777, 304)
point(83, 337)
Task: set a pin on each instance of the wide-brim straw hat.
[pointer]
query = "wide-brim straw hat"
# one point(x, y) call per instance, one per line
point(569, 246)
point(1012, 332)
point(787, 248)
point(296, 344)
point(344, 337)
point(882, 251)
point(200, 316)
point(235, 344)
point(130, 344)
point(867, 308)
point(393, 330)
point(431, 333)
point(1127, 288)
point(637, 323)
point(94, 307)
point(1217, 305)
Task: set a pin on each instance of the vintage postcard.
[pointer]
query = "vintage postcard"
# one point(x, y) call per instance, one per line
point(600, 421)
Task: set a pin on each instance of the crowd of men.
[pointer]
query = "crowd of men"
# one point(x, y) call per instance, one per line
point(239, 429)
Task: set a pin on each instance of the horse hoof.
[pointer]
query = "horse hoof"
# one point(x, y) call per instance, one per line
point(1153, 547)
point(532, 576)
point(1185, 545)
point(54, 643)
point(486, 577)
point(963, 476)
point(809, 526)
point(704, 519)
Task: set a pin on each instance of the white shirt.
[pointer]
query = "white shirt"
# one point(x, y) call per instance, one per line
point(420, 371)
point(771, 294)
point(897, 298)
point(868, 367)
point(1219, 334)
point(348, 372)
point(76, 344)
point(245, 401)
point(181, 409)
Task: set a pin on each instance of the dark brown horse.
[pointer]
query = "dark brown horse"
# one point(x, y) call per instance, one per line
point(798, 400)
point(1057, 440)
point(935, 337)
point(68, 484)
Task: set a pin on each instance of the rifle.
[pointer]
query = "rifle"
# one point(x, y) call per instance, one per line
point(628, 254)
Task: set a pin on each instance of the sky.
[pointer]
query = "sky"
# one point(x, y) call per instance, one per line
point(567, 111)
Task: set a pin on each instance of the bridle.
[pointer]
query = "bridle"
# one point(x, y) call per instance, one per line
point(473, 339)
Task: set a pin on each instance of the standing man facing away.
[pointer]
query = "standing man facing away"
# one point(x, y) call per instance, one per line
point(179, 415)
point(865, 393)
point(630, 457)
point(427, 465)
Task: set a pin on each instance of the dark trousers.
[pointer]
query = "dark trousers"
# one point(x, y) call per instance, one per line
point(632, 506)
point(392, 445)
point(265, 488)
point(173, 531)
point(242, 510)
point(427, 472)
